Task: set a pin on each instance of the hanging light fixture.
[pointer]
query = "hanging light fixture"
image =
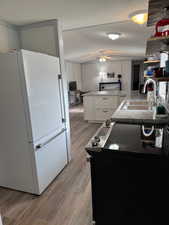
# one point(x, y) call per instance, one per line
point(139, 16)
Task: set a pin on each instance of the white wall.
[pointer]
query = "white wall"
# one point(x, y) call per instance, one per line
point(40, 39)
point(91, 74)
point(73, 71)
point(8, 37)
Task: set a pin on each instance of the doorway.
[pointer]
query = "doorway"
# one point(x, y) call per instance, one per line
point(136, 77)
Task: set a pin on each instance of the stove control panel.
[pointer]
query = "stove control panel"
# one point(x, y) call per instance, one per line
point(98, 141)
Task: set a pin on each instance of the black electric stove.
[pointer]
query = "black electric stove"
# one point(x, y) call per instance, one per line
point(130, 174)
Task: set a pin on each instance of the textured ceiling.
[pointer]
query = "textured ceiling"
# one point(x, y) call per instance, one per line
point(88, 44)
point(73, 13)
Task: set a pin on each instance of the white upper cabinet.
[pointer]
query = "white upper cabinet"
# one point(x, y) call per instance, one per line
point(40, 39)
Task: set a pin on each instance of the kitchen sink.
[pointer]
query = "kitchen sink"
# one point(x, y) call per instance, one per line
point(138, 111)
point(137, 102)
point(136, 105)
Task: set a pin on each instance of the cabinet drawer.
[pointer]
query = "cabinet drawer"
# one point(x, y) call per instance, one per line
point(104, 114)
point(107, 101)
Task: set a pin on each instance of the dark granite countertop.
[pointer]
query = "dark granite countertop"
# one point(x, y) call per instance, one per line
point(127, 138)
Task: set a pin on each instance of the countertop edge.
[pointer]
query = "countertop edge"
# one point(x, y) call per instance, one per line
point(106, 93)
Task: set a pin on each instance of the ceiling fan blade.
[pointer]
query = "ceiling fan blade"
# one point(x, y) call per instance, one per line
point(108, 57)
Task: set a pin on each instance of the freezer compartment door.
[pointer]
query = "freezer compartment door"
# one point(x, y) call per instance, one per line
point(44, 92)
point(51, 158)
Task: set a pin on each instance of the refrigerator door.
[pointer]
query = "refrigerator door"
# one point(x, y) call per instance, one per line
point(51, 158)
point(44, 93)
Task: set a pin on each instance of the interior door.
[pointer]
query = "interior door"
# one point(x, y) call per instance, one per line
point(136, 77)
point(44, 93)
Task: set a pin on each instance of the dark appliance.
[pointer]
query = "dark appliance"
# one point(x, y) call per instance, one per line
point(72, 86)
point(130, 179)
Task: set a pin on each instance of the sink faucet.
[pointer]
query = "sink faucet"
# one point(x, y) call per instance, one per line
point(155, 89)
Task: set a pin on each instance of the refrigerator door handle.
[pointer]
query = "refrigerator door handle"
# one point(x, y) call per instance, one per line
point(61, 97)
point(39, 146)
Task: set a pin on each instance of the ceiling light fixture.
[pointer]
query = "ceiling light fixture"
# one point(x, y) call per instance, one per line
point(102, 59)
point(139, 16)
point(114, 36)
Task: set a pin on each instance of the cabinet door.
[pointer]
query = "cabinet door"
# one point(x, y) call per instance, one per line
point(89, 108)
point(50, 160)
point(104, 114)
point(40, 39)
point(123, 184)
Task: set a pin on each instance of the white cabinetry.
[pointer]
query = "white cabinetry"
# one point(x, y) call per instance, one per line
point(103, 114)
point(103, 102)
point(100, 108)
point(89, 112)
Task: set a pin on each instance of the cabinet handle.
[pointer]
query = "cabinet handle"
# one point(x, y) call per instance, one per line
point(105, 98)
point(105, 111)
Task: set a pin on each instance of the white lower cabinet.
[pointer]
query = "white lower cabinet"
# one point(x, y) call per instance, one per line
point(100, 108)
point(104, 114)
point(50, 160)
point(106, 101)
point(89, 111)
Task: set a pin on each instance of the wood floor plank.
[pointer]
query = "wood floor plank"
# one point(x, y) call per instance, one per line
point(67, 201)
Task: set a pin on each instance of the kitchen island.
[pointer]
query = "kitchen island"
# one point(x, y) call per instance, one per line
point(100, 105)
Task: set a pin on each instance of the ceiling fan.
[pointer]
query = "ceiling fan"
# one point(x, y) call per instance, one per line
point(104, 58)
point(102, 55)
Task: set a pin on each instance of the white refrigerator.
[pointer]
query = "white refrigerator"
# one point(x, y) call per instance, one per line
point(33, 141)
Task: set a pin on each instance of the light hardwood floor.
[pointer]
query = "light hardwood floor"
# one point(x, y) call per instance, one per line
point(67, 201)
